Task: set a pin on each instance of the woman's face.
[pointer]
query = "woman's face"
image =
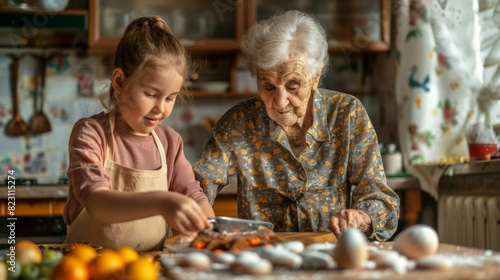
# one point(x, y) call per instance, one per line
point(148, 99)
point(285, 91)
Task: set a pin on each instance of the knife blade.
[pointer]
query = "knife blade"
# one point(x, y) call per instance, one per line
point(232, 225)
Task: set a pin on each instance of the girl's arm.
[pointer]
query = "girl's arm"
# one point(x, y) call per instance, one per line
point(207, 209)
point(179, 211)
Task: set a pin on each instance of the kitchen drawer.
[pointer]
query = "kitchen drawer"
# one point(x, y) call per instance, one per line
point(34, 207)
point(57, 207)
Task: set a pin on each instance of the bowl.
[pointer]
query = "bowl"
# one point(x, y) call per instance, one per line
point(481, 151)
point(54, 5)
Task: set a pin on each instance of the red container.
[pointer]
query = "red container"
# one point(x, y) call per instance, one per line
point(481, 151)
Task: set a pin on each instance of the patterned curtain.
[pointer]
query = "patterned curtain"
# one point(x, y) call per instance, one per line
point(442, 84)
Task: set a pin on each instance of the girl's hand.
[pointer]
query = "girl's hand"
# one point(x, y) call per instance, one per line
point(183, 214)
point(343, 219)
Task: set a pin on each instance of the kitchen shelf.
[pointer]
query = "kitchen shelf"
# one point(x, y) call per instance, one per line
point(473, 167)
point(42, 12)
point(362, 48)
point(31, 26)
point(471, 178)
point(211, 45)
point(229, 94)
point(42, 19)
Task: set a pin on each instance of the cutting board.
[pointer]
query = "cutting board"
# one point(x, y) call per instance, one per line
point(305, 237)
point(308, 237)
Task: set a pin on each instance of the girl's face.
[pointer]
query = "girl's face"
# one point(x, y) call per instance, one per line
point(147, 99)
point(285, 91)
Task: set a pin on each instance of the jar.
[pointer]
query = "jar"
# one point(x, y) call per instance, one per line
point(392, 160)
point(481, 141)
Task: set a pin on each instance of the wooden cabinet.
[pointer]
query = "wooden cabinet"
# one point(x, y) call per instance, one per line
point(212, 30)
point(202, 26)
point(361, 26)
point(29, 25)
point(410, 207)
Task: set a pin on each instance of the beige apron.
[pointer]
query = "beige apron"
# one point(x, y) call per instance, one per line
point(145, 234)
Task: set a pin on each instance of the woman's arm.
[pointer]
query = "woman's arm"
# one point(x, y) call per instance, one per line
point(371, 194)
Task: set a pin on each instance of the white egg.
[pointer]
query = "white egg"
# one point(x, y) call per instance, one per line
point(320, 247)
point(351, 250)
point(395, 261)
point(434, 262)
point(418, 241)
point(378, 255)
point(281, 257)
point(294, 246)
point(224, 257)
point(245, 257)
point(249, 262)
point(260, 267)
point(316, 260)
point(196, 260)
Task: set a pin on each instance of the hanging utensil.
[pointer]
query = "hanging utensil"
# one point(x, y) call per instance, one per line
point(39, 123)
point(16, 126)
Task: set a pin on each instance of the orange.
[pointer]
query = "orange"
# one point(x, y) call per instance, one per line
point(149, 258)
point(141, 269)
point(128, 254)
point(108, 265)
point(70, 268)
point(85, 252)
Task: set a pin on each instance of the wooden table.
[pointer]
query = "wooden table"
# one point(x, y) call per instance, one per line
point(469, 263)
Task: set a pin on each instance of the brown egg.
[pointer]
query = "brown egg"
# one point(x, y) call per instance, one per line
point(351, 250)
point(418, 241)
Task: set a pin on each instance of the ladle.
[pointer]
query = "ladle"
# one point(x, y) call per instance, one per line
point(39, 123)
point(16, 126)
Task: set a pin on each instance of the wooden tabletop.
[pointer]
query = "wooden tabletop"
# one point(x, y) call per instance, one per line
point(468, 263)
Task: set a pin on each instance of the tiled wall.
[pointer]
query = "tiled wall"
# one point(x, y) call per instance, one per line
point(74, 83)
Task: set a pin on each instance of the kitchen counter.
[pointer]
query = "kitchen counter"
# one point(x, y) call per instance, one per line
point(61, 191)
point(36, 192)
point(467, 263)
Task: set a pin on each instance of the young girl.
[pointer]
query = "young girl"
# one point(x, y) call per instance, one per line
point(128, 173)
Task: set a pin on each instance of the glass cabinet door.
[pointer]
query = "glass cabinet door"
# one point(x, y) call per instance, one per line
point(198, 23)
point(359, 24)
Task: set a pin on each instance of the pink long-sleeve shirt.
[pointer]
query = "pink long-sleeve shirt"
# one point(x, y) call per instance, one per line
point(87, 150)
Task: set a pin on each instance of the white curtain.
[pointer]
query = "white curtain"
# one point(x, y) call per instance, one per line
point(447, 78)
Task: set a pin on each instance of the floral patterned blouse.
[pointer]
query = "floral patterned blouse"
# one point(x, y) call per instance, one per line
point(301, 193)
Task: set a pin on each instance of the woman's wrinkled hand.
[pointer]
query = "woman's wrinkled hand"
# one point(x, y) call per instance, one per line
point(184, 214)
point(343, 219)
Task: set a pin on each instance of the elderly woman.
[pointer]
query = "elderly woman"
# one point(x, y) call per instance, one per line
point(306, 158)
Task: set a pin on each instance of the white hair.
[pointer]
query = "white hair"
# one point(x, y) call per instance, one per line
point(270, 42)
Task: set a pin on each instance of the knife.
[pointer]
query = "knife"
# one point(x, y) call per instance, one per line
point(235, 225)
